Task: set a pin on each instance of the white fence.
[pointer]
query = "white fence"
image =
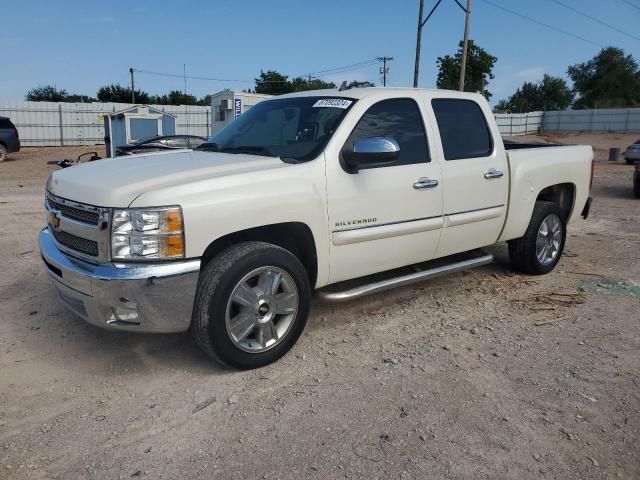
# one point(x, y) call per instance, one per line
point(511, 124)
point(603, 120)
point(53, 123)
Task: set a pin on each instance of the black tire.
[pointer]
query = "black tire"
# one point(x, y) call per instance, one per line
point(217, 281)
point(636, 185)
point(522, 251)
point(3, 153)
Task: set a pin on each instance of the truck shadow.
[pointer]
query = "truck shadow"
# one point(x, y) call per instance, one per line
point(81, 347)
point(625, 191)
point(325, 314)
point(84, 348)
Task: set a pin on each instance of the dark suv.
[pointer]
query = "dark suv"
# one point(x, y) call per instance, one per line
point(9, 138)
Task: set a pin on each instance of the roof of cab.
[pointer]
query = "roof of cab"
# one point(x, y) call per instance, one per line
point(361, 92)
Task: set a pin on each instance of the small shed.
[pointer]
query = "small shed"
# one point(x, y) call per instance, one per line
point(135, 123)
point(228, 105)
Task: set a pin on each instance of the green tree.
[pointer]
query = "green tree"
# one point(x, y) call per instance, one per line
point(175, 97)
point(610, 79)
point(273, 83)
point(206, 101)
point(46, 93)
point(77, 98)
point(301, 84)
point(119, 94)
point(478, 72)
point(552, 93)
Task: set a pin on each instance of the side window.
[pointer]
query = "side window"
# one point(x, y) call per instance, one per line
point(463, 128)
point(399, 119)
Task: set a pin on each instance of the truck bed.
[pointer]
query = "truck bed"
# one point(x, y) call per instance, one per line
point(511, 145)
point(532, 169)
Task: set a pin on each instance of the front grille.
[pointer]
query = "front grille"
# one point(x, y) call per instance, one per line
point(87, 216)
point(82, 245)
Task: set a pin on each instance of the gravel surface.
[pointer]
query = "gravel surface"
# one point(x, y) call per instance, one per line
point(487, 374)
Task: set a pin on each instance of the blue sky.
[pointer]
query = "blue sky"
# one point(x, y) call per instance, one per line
point(81, 45)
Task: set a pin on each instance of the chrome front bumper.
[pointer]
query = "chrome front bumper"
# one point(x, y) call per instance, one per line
point(138, 297)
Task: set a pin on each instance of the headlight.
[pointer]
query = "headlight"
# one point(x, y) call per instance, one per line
point(147, 233)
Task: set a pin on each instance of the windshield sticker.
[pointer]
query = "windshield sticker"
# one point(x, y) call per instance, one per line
point(333, 102)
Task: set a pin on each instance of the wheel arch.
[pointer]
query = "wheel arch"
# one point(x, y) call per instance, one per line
point(295, 237)
point(562, 194)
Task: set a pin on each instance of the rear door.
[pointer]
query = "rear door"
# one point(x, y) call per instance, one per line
point(388, 216)
point(475, 172)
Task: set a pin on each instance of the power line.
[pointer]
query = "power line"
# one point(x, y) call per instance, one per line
point(569, 7)
point(329, 71)
point(175, 75)
point(361, 67)
point(551, 27)
point(631, 4)
point(359, 64)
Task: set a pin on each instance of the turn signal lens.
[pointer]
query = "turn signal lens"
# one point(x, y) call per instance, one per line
point(173, 221)
point(175, 246)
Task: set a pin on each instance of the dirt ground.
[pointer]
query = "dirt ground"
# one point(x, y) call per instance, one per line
point(487, 374)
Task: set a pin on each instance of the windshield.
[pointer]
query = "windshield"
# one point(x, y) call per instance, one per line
point(294, 129)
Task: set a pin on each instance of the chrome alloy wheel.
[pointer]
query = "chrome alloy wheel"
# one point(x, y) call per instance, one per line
point(549, 239)
point(261, 309)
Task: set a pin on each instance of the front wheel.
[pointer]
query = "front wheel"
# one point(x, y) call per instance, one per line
point(3, 153)
point(539, 250)
point(251, 305)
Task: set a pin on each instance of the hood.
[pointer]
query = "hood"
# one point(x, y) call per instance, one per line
point(116, 182)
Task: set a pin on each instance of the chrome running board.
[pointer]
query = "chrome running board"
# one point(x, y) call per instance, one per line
point(375, 287)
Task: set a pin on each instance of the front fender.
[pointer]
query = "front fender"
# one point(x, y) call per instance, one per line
point(216, 207)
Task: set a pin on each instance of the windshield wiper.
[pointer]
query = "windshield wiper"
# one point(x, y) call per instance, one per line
point(250, 150)
point(208, 147)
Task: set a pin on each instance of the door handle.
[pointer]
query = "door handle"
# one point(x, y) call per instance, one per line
point(493, 173)
point(425, 183)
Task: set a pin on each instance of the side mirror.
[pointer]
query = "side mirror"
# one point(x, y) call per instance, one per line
point(371, 152)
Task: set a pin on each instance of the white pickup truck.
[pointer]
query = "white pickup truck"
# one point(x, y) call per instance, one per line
point(301, 192)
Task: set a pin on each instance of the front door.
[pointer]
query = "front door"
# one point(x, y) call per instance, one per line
point(385, 217)
point(476, 185)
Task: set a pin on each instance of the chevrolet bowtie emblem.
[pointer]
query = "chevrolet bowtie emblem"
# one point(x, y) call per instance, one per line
point(54, 219)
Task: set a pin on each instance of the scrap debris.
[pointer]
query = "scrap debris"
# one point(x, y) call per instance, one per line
point(551, 301)
point(554, 320)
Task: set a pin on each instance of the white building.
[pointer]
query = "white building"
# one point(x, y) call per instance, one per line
point(227, 105)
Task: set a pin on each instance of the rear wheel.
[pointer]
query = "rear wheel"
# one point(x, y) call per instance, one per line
point(636, 184)
point(3, 153)
point(539, 250)
point(251, 305)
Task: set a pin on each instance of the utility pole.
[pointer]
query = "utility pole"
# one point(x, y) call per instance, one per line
point(463, 67)
point(184, 75)
point(421, 23)
point(133, 89)
point(416, 66)
point(384, 70)
point(311, 77)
